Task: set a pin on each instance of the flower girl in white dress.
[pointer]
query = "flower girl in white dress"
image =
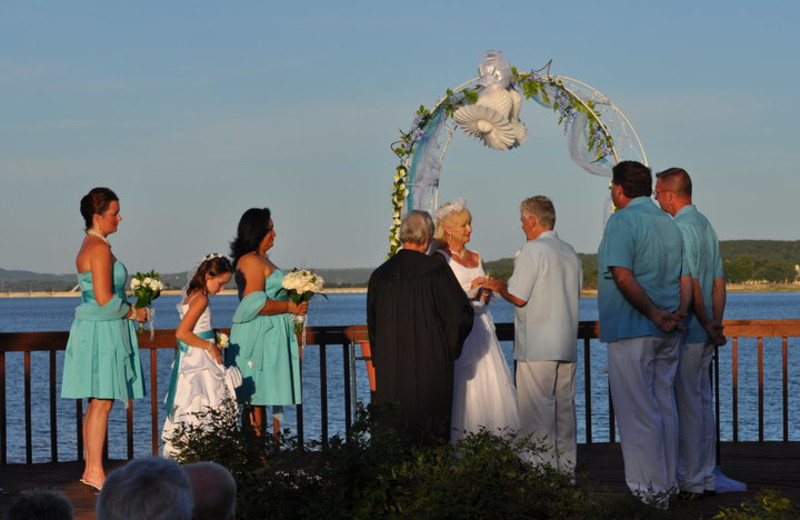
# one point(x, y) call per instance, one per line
point(483, 395)
point(199, 379)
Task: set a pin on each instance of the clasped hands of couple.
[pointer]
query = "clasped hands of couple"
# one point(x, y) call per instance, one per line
point(486, 285)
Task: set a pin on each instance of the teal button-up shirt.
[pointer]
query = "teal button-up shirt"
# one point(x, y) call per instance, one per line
point(646, 240)
point(704, 260)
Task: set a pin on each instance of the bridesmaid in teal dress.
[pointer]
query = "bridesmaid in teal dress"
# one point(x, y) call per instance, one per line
point(101, 362)
point(262, 344)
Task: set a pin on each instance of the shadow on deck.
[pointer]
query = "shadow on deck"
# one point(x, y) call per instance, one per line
point(762, 465)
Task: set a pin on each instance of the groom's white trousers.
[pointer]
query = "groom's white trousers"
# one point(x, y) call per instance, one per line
point(546, 395)
point(642, 372)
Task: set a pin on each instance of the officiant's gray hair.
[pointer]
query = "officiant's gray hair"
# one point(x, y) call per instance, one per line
point(416, 227)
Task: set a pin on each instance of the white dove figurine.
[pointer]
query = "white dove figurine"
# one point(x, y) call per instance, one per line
point(494, 118)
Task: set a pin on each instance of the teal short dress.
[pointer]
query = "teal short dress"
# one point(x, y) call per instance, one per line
point(102, 356)
point(265, 350)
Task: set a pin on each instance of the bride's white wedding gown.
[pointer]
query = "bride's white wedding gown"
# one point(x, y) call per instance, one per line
point(483, 395)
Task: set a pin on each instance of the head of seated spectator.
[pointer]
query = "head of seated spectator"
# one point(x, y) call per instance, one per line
point(146, 489)
point(214, 491)
point(40, 504)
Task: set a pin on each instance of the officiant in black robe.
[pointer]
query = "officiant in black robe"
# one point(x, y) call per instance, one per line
point(418, 317)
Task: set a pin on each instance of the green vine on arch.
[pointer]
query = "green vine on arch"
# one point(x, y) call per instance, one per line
point(532, 85)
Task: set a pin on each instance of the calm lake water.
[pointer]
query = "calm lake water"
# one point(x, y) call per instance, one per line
point(52, 314)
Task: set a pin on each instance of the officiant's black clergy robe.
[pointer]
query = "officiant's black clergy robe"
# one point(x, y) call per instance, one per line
point(418, 317)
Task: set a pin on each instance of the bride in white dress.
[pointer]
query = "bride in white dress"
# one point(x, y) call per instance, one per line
point(199, 380)
point(483, 395)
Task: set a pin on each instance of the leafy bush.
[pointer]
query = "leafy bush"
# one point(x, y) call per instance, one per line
point(378, 474)
point(767, 505)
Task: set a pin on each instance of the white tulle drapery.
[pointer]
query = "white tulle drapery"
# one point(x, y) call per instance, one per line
point(426, 164)
point(577, 142)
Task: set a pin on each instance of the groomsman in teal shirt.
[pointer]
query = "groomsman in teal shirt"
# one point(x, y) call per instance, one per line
point(643, 294)
point(697, 445)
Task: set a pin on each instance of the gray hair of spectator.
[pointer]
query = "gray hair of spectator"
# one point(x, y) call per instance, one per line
point(39, 504)
point(635, 178)
point(214, 491)
point(540, 207)
point(416, 228)
point(152, 488)
point(677, 179)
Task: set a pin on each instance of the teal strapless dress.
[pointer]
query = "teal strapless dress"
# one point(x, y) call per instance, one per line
point(265, 350)
point(102, 356)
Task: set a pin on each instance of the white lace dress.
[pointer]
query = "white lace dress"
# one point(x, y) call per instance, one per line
point(483, 395)
point(200, 382)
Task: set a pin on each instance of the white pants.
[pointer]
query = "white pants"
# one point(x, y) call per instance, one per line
point(641, 372)
point(546, 394)
point(697, 452)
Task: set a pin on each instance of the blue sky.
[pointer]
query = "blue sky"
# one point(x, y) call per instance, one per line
point(195, 111)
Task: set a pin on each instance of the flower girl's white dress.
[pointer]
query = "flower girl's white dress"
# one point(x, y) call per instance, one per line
point(198, 382)
point(483, 395)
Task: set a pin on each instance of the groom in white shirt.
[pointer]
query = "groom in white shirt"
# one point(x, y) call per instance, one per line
point(545, 288)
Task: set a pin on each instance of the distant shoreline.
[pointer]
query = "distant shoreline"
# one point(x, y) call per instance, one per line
point(737, 287)
point(732, 287)
point(76, 294)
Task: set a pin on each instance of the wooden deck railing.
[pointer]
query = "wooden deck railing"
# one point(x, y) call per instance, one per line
point(346, 339)
point(737, 330)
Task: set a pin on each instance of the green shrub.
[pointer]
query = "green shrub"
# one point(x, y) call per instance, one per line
point(378, 474)
point(767, 505)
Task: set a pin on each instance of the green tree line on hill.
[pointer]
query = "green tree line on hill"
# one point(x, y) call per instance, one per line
point(742, 260)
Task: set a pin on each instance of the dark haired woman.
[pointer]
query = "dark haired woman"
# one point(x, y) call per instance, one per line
point(199, 381)
point(101, 362)
point(263, 342)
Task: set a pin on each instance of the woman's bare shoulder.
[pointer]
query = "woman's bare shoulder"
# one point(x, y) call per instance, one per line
point(92, 252)
point(250, 262)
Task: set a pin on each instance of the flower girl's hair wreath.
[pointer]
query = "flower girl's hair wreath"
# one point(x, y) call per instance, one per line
point(213, 264)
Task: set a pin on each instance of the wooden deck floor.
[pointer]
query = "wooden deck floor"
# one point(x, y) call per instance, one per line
point(769, 465)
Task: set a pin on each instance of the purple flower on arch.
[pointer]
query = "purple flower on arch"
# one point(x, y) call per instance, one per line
point(599, 142)
point(535, 76)
point(563, 104)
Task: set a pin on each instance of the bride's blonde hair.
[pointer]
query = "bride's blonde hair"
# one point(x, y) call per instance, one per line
point(454, 213)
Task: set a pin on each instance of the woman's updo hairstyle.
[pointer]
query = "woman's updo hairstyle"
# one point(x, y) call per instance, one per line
point(253, 227)
point(212, 265)
point(96, 202)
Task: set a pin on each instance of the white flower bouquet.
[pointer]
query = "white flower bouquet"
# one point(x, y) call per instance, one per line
point(223, 340)
point(146, 287)
point(301, 285)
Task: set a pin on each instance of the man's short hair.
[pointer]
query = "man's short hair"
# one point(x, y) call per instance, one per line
point(540, 207)
point(146, 489)
point(416, 227)
point(635, 178)
point(677, 179)
point(38, 504)
point(213, 489)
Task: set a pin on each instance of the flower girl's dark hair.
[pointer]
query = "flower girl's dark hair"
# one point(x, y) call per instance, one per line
point(212, 265)
point(253, 227)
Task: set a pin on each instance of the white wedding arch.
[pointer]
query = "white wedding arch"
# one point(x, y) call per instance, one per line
point(599, 135)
